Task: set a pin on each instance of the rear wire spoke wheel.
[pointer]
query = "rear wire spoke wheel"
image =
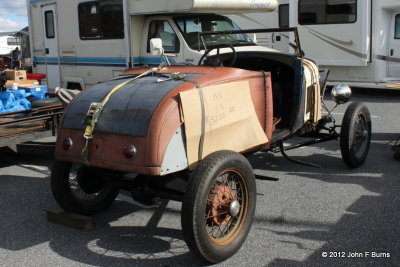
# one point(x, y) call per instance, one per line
point(355, 135)
point(225, 206)
point(219, 205)
point(77, 189)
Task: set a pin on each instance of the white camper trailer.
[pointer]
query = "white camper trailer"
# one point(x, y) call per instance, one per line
point(8, 42)
point(79, 42)
point(357, 40)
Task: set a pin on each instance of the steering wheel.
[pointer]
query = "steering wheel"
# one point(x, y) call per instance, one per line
point(217, 61)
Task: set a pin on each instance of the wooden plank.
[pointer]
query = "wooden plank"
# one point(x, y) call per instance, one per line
point(38, 123)
point(17, 138)
point(393, 86)
point(72, 220)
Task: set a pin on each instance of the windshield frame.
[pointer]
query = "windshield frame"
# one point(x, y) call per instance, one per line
point(297, 47)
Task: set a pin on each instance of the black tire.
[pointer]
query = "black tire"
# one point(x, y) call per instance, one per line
point(76, 189)
point(355, 135)
point(46, 102)
point(218, 174)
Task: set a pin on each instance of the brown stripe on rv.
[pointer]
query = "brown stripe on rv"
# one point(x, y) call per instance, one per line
point(352, 52)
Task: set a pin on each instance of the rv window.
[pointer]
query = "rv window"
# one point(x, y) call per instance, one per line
point(327, 11)
point(13, 41)
point(283, 16)
point(397, 27)
point(49, 24)
point(162, 29)
point(191, 26)
point(101, 20)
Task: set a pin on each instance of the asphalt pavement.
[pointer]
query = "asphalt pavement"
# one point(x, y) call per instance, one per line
point(306, 216)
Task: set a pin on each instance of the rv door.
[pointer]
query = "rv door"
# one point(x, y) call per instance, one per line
point(394, 47)
point(51, 58)
point(334, 32)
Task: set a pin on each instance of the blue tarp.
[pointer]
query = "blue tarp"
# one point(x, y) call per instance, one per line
point(18, 100)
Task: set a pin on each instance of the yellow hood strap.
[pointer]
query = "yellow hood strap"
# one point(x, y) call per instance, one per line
point(95, 109)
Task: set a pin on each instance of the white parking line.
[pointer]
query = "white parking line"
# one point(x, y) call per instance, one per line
point(39, 169)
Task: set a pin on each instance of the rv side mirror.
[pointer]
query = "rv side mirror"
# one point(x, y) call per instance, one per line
point(156, 47)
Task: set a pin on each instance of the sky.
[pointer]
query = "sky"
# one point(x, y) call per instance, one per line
point(13, 15)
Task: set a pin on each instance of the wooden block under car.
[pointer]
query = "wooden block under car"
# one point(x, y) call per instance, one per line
point(15, 74)
point(72, 220)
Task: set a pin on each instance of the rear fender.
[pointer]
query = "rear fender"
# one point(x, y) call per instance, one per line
point(175, 158)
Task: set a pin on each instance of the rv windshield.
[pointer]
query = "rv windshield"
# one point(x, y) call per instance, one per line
point(191, 26)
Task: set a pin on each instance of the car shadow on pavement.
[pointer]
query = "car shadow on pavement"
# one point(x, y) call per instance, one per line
point(121, 245)
point(24, 225)
point(368, 232)
point(24, 199)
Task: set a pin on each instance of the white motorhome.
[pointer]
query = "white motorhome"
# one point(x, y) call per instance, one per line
point(81, 42)
point(357, 40)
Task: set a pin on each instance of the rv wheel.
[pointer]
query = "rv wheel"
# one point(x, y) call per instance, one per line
point(218, 206)
point(355, 135)
point(77, 189)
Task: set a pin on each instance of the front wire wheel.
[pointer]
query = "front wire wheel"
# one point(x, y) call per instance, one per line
point(218, 206)
point(355, 135)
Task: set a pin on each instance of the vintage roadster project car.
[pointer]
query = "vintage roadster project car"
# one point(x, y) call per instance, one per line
point(152, 125)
